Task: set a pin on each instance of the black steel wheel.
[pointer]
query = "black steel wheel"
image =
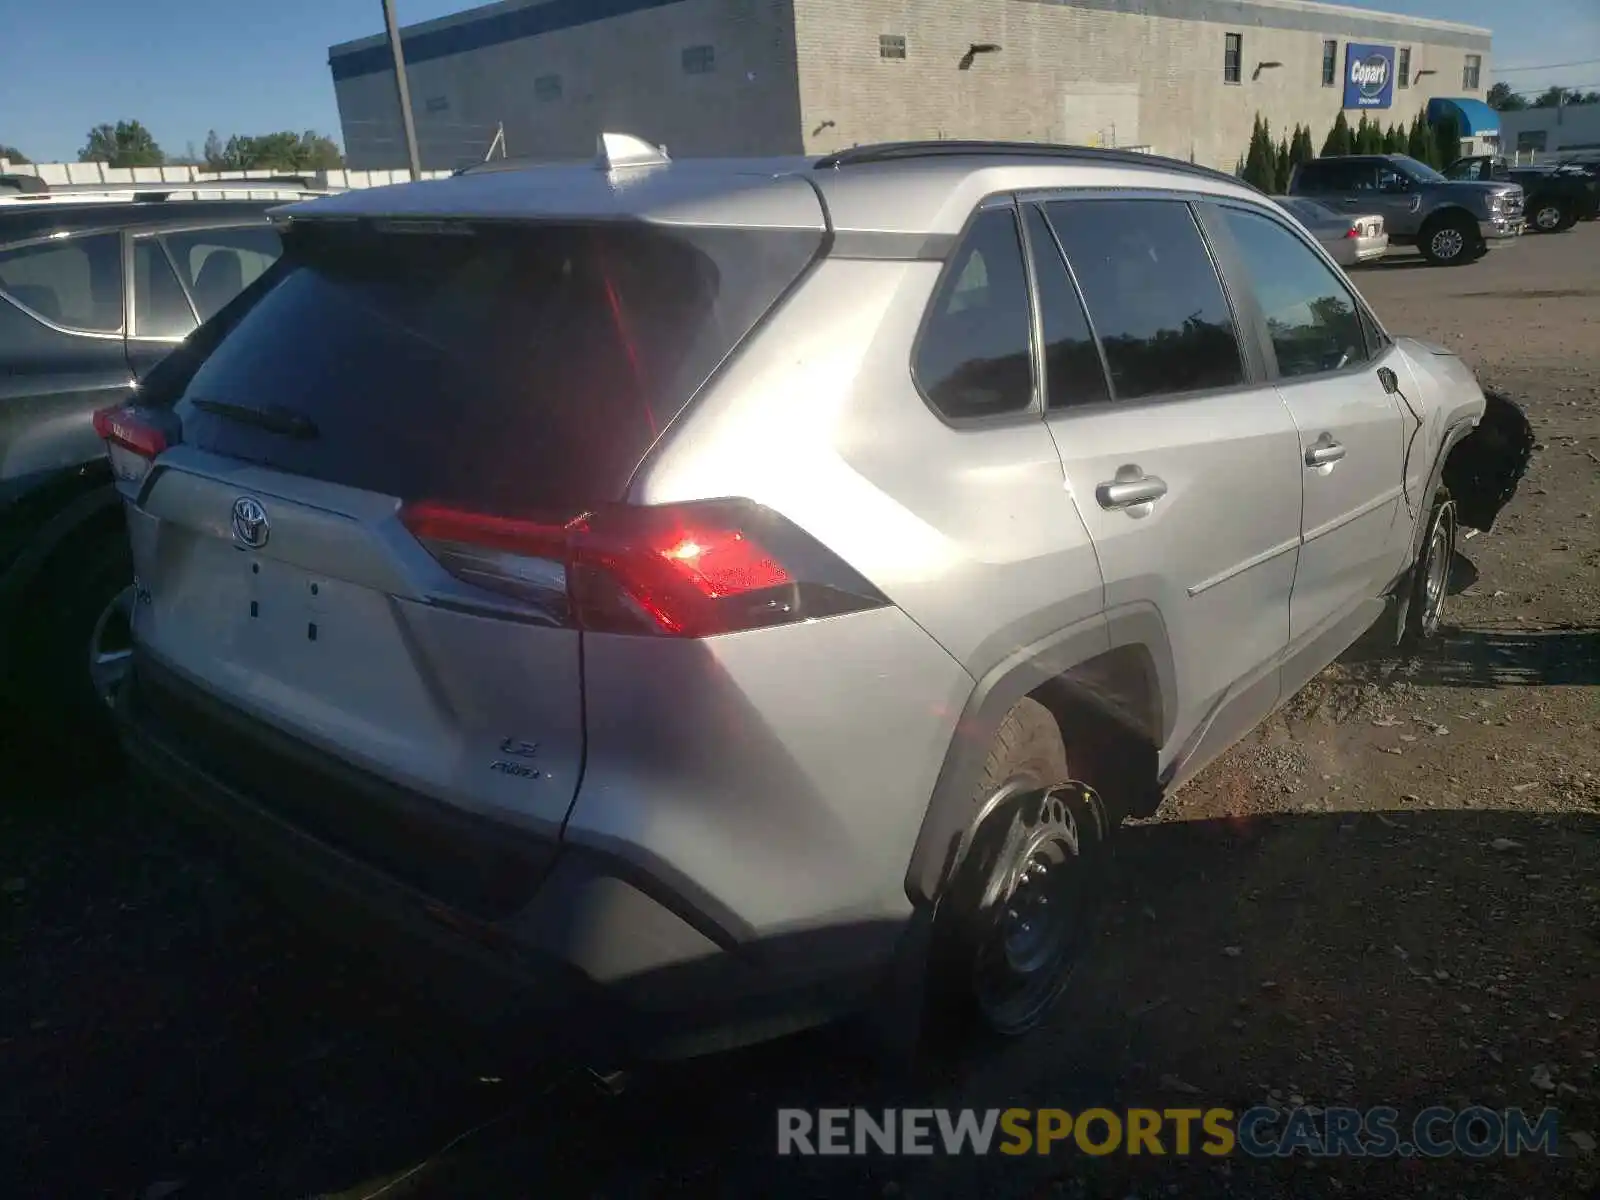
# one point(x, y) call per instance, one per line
point(1011, 925)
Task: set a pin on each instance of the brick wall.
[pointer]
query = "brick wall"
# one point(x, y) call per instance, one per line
point(1079, 74)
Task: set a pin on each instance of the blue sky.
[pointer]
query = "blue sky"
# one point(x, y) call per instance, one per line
point(186, 66)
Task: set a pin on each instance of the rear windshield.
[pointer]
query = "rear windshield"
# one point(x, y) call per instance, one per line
point(520, 368)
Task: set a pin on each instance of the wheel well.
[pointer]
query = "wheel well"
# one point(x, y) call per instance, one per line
point(1451, 215)
point(1483, 469)
point(1109, 713)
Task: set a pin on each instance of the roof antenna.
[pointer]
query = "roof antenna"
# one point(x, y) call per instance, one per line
point(613, 150)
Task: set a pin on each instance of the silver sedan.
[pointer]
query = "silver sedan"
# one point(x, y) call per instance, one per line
point(1349, 240)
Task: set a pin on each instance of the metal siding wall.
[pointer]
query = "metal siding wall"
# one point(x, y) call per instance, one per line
point(624, 74)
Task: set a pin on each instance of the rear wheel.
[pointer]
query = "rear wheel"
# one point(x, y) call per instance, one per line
point(1550, 216)
point(1450, 241)
point(1012, 923)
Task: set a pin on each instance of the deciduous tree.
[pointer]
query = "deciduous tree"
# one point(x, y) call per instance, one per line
point(125, 144)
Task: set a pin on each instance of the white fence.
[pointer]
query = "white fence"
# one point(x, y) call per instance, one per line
point(92, 172)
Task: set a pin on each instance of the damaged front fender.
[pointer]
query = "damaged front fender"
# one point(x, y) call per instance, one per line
point(1484, 468)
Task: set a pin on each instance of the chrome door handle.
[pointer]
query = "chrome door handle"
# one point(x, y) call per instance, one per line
point(1325, 453)
point(1125, 492)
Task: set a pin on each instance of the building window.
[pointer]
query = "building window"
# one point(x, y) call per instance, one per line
point(699, 60)
point(1330, 63)
point(1232, 57)
point(891, 45)
point(1403, 69)
point(1470, 71)
point(547, 87)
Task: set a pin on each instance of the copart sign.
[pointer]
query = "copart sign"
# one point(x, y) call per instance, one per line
point(1368, 76)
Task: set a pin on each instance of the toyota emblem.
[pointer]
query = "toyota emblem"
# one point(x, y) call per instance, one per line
point(250, 527)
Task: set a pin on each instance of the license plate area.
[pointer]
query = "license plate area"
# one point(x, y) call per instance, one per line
point(284, 608)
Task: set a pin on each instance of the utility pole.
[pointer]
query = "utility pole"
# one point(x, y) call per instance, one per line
point(402, 90)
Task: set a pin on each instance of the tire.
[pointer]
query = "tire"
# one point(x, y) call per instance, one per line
point(69, 604)
point(1011, 925)
point(1450, 241)
point(1430, 575)
point(1550, 216)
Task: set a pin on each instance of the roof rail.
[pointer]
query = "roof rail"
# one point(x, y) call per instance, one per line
point(154, 191)
point(264, 180)
point(158, 188)
point(901, 151)
point(25, 185)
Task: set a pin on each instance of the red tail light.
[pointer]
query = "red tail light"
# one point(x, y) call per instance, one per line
point(1353, 232)
point(134, 438)
point(688, 570)
point(124, 425)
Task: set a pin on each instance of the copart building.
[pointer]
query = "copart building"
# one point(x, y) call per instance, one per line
point(734, 77)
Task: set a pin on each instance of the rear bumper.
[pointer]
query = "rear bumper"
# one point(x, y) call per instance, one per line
point(597, 964)
point(1368, 249)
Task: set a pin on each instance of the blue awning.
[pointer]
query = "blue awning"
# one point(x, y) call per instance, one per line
point(1474, 118)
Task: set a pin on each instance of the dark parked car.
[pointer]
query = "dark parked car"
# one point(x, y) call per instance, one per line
point(95, 289)
point(1450, 221)
point(1558, 197)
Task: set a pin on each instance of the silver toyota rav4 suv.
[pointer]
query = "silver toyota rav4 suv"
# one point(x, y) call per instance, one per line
point(709, 597)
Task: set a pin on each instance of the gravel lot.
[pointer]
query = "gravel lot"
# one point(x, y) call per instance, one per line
point(1388, 895)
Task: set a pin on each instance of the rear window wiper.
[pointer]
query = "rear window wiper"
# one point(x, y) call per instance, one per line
point(276, 420)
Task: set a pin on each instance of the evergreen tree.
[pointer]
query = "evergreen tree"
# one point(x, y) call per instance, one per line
point(1339, 140)
point(1447, 142)
point(1369, 139)
point(1259, 168)
point(1394, 141)
point(1420, 143)
point(1301, 148)
point(1284, 165)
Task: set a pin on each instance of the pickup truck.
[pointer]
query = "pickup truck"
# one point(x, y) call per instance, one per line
point(1558, 197)
point(1451, 221)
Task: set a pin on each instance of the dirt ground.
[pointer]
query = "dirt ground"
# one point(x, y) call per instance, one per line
point(1387, 895)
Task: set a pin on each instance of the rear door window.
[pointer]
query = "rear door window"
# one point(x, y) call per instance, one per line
point(1072, 368)
point(1152, 293)
point(73, 282)
point(974, 356)
point(515, 368)
point(1335, 175)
